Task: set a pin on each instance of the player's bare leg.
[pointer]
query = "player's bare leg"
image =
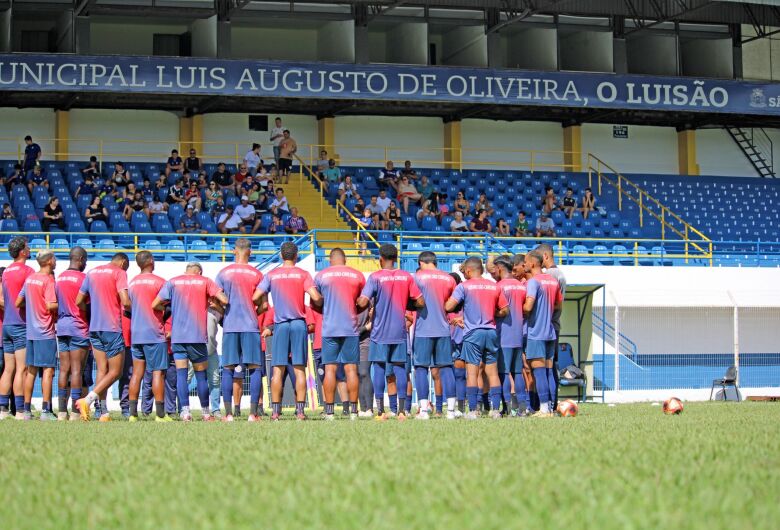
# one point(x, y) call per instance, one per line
point(300, 391)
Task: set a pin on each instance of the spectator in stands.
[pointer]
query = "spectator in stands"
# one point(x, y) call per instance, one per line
point(426, 190)
point(588, 203)
point(461, 204)
point(502, 228)
point(569, 203)
point(263, 201)
point(147, 190)
point(252, 159)
point(295, 223)
point(246, 185)
point(52, 215)
point(212, 194)
point(374, 206)
point(288, 149)
point(176, 194)
point(222, 177)
point(32, 154)
point(127, 194)
point(442, 207)
point(87, 187)
point(16, 177)
point(239, 178)
point(246, 212)
point(107, 191)
point(188, 223)
point(192, 196)
point(255, 193)
point(120, 178)
point(388, 176)
point(230, 222)
point(135, 204)
point(458, 224)
point(174, 163)
point(483, 204)
point(322, 163)
point(280, 206)
point(549, 200)
point(545, 227)
point(392, 214)
point(37, 178)
point(396, 226)
point(157, 206)
point(383, 201)
point(521, 225)
point(203, 179)
point(407, 192)
point(425, 211)
point(480, 223)
point(218, 208)
point(331, 175)
point(161, 185)
point(348, 190)
point(408, 171)
point(8, 213)
point(192, 162)
point(277, 135)
point(95, 212)
point(92, 169)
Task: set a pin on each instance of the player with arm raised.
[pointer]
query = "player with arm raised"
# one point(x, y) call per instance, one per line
point(288, 286)
point(340, 287)
point(189, 296)
point(391, 291)
point(39, 301)
point(105, 287)
point(240, 329)
point(483, 302)
point(542, 299)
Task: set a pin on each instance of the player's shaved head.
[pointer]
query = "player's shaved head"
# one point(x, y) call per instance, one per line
point(121, 260)
point(427, 257)
point(534, 258)
point(289, 251)
point(337, 256)
point(242, 245)
point(547, 253)
point(144, 259)
point(45, 258)
point(388, 252)
point(194, 267)
point(518, 259)
point(504, 263)
point(78, 258)
point(473, 265)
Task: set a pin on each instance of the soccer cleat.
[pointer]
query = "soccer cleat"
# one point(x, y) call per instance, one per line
point(253, 418)
point(185, 416)
point(208, 417)
point(422, 415)
point(540, 414)
point(164, 419)
point(366, 414)
point(227, 418)
point(300, 416)
point(84, 410)
point(132, 419)
point(105, 417)
point(452, 416)
point(495, 414)
point(391, 414)
point(275, 416)
point(74, 416)
point(4, 414)
point(381, 417)
point(472, 415)
point(353, 417)
point(47, 416)
point(26, 416)
point(402, 416)
point(62, 416)
point(329, 417)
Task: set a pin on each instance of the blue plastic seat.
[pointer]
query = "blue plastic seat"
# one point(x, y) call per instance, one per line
point(154, 246)
point(176, 250)
point(98, 226)
point(199, 250)
point(106, 245)
point(410, 223)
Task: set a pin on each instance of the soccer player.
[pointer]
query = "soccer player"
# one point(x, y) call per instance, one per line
point(510, 333)
point(240, 330)
point(549, 266)
point(189, 296)
point(543, 297)
point(147, 331)
point(288, 285)
point(432, 345)
point(483, 302)
point(340, 287)
point(72, 331)
point(14, 328)
point(391, 291)
point(40, 303)
point(106, 289)
point(459, 365)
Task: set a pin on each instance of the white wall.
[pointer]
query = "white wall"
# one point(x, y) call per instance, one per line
point(204, 37)
point(646, 150)
point(15, 124)
point(336, 41)
point(718, 154)
point(478, 135)
point(291, 43)
point(408, 44)
point(121, 38)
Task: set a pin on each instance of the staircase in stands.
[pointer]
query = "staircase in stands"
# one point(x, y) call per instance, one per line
point(757, 146)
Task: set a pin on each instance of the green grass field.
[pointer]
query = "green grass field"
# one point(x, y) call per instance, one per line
point(629, 466)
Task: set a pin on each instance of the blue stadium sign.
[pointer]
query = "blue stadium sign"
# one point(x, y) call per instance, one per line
point(161, 75)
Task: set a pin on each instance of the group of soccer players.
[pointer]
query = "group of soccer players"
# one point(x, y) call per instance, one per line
point(488, 343)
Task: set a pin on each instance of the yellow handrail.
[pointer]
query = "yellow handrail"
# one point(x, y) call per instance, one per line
point(316, 177)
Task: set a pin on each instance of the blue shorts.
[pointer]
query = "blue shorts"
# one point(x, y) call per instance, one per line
point(510, 360)
point(195, 352)
point(289, 344)
point(457, 351)
point(387, 353)
point(155, 355)
point(480, 346)
point(241, 347)
point(340, 350)
point(432, 351)
point(66, 343)
point(42, 353)
point(14, 338)
point(110, 342)
point(540, 349)
point(341, 375)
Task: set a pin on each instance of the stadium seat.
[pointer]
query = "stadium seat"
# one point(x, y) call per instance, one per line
point(98, 226)
point(200, 250)
point(155, 247)
point(107, 245)
point(176, 250)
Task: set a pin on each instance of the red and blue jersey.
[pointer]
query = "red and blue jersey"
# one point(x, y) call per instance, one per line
point(103, 284)
point(510, 327)
point(189, 295)
point(146, 324)
point(314, 318)
point(456, 332)
point(38, 290)
point(481, 298)
point(340, 287)
point(546, 292)
point(13, 281)
point(436, 287)
point(287, 287)
point(71, 319)
point(390, 291)
point(239, 282)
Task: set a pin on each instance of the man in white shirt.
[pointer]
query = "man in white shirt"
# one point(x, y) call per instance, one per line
point(229, 222)
point(383, 201)
point(458, 224)
point(246, 212)
point(280, 205)
point(252, 159)
point(277, 135)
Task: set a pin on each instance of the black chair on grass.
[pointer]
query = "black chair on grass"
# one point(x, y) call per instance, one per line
point(729, 380)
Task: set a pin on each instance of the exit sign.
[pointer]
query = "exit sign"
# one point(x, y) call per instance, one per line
point(620, 131)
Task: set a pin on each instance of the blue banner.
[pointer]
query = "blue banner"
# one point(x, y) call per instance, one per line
point(165, 75)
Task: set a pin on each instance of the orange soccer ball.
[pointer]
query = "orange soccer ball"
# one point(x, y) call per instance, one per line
point(568, 408)
point(673, 406)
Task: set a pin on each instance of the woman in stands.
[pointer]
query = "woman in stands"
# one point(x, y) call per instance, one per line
point(502, 228)
point(483, 204)
point(211, 196)
point(52, 215)
point(92, 169)
point(588, 203)
point(461, 204)
point(480, 223)
point(120, 179)
point(392, 214)
point(407, 192)
point(95, 212)
point(135, 204)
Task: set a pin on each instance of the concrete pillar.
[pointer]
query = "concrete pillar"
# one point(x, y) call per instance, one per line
point(81, 28)
point(452, 145)
point(362, 48)
point(686, 152)
point(185, 135)
point(5, 30)
point(61, 134)
point(197, 135)
point(224, 47)
point(326, 137)
point(572, 147)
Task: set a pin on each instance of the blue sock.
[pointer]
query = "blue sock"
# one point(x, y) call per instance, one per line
point(255, 385)
point(448, 384)
point(495, 397)
point(62, 393)
point(393, 403)
point(553, 386)
point(439, 403)
point(380, 380)
point(460, 383)
point(182, 389)
point(542, 387)
point(203, 389)
point(19, 402)
point(533, 400)
point(521, 392)
point(227, 389)
point(471, 393)
point(46, 406)
point(5, 399)
point(421, 382)
point(27, 406)
point(408, 403)
point(399, 371)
